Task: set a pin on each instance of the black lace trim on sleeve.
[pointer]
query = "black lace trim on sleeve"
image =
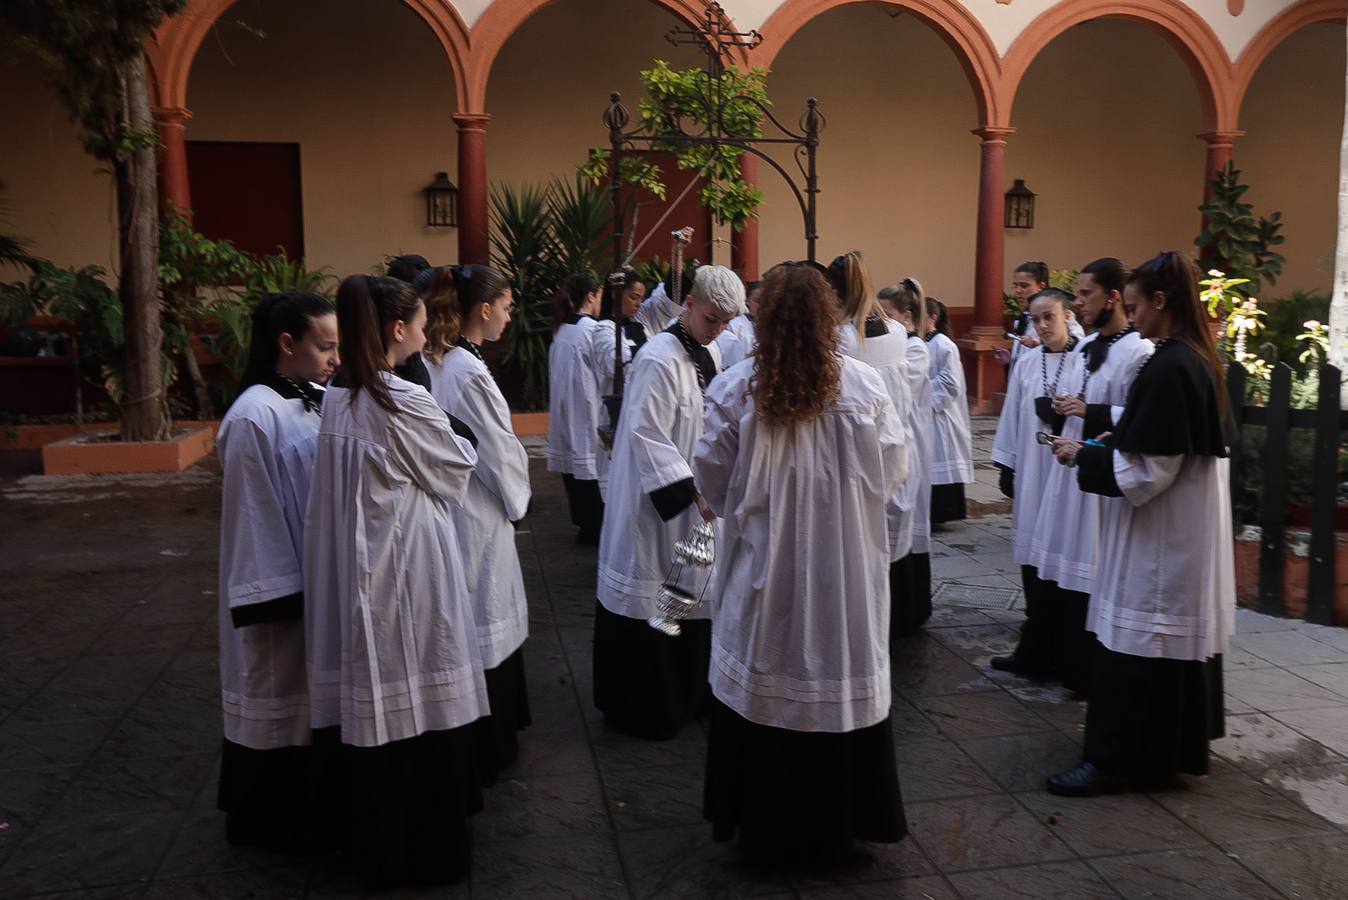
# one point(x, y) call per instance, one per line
point(282, 609)
point(673, 499)
point(462, 430)
point(1095, 471)
point(1099, 419)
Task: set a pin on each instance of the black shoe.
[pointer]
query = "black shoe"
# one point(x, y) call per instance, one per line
point(1085, 781)
point(1009, 664)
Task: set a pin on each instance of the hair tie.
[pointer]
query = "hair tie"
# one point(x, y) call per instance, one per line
point(461, 272)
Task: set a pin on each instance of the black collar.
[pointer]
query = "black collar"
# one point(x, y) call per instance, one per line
point(1098, 350)
point(635, 332)
point(700, 355)
point(464, 344)
point(310, 396)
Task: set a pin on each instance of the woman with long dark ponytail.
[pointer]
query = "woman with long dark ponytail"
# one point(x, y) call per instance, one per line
point(575, 410)
point(625, 294)
point(1091, 395)
point(266, 444)
point(468, 306)
point(867, 332)
point(910, 574)
point(952, 455)
point(1164, 600)
point(394, 657)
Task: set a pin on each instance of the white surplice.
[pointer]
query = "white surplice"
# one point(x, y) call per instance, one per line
point(917, 488)
point(1015, 445)
point(888, 355)
point(602, 365)
point(391, 637)
point(575, 410)
point(1166, 577)
point(266, 448)
point(800, 635)
point(498, 494)
point(658, 311)
point(737, 341)
point(952, 436)
point(660, 423)
point(1074, 329)
point(1065, 546)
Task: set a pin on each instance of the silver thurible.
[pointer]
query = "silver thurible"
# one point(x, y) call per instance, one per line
point(674, 603)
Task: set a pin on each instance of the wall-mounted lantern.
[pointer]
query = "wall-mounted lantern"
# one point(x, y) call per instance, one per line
point(442, 202)
point(1020, 206)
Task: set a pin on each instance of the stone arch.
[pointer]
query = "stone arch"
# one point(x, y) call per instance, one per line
point(177, 41)
point(503, 19)
point(1277, 30)
point(1184, 29)
point(959, 28)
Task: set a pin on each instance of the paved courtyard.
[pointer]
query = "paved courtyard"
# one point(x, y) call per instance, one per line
point(109, 739)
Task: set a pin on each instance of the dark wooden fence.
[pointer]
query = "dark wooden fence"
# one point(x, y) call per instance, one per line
point(1278, 418)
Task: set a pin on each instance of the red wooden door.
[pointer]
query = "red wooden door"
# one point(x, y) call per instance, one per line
point(248, 193)
point(655, 241)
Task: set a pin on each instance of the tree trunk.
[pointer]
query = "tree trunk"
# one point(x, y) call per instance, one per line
point(143, 417)
point(205, 411)
point(1338, 304)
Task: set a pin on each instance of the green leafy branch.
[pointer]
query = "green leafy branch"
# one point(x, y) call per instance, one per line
point(686, 102)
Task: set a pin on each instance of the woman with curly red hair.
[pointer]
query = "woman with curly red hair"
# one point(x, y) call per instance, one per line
point(800, 450)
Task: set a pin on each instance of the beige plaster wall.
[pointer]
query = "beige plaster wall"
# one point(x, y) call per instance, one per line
point(1106, 121)
point(898, 166)
point(56, 198)
point(551, 83)
point(1294, 116)
point(365, 89)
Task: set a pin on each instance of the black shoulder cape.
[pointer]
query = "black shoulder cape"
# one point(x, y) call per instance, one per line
point(1173, 408)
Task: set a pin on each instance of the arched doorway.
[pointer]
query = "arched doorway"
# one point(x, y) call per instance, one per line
point(898, 167)
point(550, 83)
point(1293, 115)
point(364, 93)
point(1106, 117)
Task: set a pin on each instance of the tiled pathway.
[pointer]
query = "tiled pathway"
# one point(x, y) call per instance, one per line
point(109, 735)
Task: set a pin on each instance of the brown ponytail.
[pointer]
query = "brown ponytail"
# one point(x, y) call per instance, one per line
point(1173, 274)
point(452, 294)
point(852, 283)
point(570, 297)
point(365, 304)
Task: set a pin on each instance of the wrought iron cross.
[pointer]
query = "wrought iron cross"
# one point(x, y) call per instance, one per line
point(716, 37)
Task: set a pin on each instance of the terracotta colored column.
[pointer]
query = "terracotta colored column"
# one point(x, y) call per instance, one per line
point(473, 233)
point(173, 183)
point(987, 335)
point(744, 244)
point(1220, 146)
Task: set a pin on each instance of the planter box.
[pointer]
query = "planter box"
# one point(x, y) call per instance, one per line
point(1296, 570)
point(85, 455)
point(529, 424)
point(35, 437)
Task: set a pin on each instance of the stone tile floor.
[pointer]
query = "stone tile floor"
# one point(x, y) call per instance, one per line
point(109, 737)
